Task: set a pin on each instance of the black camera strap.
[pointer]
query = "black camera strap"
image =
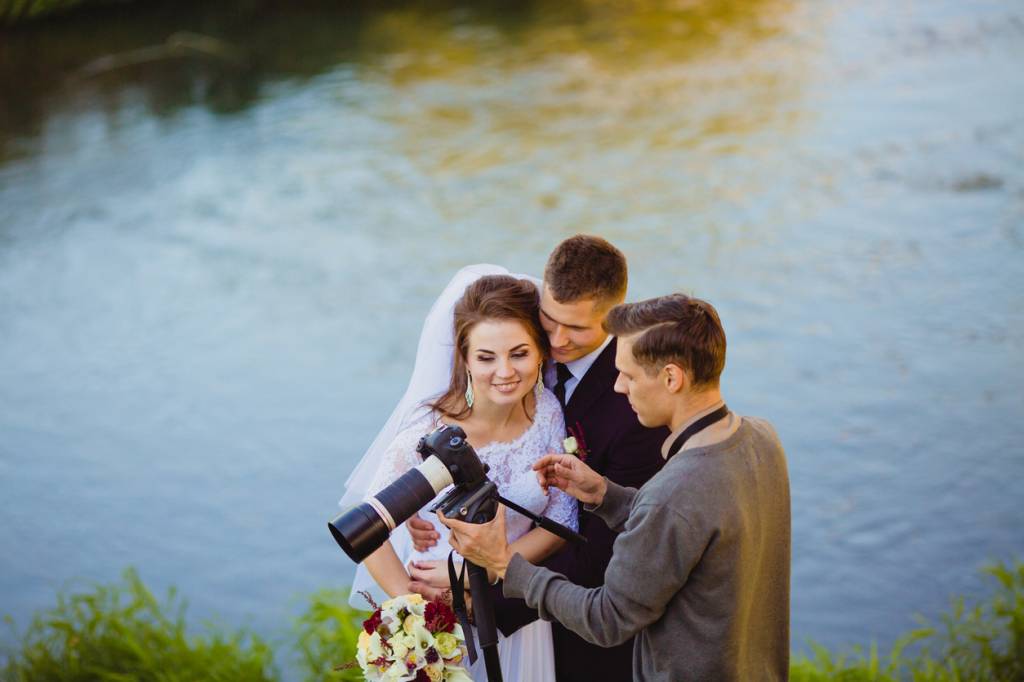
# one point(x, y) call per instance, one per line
point(697, 426)
point(459, 604)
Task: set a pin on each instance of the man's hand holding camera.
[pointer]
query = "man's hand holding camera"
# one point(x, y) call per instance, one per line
point(484, 544)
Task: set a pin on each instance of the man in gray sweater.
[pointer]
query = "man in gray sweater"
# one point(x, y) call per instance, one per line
point(700, 571)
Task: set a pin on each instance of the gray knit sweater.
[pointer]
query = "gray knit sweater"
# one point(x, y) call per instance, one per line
point(700, 571)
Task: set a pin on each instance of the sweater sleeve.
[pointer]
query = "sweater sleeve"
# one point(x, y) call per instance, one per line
point(651, 561)
point(614, 508)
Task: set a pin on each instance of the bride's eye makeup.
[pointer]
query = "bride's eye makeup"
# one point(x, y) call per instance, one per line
point(517, 354)
point(521, 351)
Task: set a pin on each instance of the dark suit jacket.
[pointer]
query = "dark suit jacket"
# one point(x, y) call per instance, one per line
point(628, 454)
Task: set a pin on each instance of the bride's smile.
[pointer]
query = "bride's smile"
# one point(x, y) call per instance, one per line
point(507, 387)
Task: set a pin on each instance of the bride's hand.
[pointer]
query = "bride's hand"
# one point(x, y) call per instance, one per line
point(422, 532)
point(431, 593)
point(432, 574)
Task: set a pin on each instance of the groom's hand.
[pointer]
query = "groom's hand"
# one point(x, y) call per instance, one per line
point(422, 532)
point(485, 544)
point(568, 473)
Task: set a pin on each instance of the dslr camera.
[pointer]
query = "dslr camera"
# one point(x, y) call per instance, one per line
point(448, 459)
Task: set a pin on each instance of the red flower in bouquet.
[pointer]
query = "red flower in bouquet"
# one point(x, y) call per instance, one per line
point(408, 638)
point(372, 623)
point(439, 617)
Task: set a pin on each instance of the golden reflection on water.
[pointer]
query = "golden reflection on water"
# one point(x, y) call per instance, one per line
point(657, 117)
point(532, 121)
point(619, 37)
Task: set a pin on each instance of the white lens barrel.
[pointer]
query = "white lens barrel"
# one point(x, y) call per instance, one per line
point(436, 473)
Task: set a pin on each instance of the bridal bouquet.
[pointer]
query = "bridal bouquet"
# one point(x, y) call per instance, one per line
point(408, 639)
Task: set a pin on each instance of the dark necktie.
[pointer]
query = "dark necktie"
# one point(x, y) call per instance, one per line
point(563, 376)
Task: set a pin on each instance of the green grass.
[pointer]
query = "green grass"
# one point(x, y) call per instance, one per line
point(326, 636)
point(968, 644)
point(123, 633)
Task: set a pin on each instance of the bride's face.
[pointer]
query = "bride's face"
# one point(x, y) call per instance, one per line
point(503, 360)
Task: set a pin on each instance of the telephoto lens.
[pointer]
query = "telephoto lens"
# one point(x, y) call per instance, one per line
point(447, 458)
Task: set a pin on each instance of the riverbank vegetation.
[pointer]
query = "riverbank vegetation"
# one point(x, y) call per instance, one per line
point(983, 642)
point(122, 632)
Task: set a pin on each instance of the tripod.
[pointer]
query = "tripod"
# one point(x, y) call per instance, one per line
point(479, 585)
point(486, 627)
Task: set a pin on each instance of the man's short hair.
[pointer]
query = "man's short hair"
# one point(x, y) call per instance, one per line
point(586, 267)
point(676, 329)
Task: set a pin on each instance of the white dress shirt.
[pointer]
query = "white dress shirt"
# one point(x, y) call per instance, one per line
point(578, 368)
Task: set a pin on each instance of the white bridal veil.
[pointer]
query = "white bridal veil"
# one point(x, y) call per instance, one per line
point(431, 375)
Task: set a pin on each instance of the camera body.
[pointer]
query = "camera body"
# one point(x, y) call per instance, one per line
point(448, 459)
point(448, 443)
point(474, 498)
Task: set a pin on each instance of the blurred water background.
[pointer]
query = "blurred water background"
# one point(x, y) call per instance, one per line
point(214, 265)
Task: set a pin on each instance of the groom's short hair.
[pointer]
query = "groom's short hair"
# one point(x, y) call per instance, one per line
point(586, 267)
point(676, 329)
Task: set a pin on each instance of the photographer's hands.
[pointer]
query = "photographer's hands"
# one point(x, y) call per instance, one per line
point(569, 474)
point(485, 544)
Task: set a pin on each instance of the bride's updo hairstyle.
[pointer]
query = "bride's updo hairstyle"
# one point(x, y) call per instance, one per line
point(491, 298)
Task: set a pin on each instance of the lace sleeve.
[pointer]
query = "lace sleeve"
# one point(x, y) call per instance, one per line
point(560, 507)
point(399, 457)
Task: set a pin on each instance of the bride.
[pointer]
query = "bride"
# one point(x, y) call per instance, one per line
point(479, 366)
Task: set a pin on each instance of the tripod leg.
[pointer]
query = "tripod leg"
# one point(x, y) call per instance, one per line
point(483, 613)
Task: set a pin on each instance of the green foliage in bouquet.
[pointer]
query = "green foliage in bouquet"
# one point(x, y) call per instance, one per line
point(121, 633)
point(980, 644)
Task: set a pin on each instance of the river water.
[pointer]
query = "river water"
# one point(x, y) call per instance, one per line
point(213, 268)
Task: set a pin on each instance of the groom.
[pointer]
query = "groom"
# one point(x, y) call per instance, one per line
point(584, 278)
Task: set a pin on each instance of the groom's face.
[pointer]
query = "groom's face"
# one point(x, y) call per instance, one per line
point(574, 329)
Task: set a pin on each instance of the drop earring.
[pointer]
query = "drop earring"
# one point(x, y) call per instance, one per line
point(469, 390)
point(538, 388)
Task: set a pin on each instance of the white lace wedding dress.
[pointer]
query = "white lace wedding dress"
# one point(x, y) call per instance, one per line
point(528, 654)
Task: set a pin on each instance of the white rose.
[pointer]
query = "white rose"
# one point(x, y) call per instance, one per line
point(398, 647)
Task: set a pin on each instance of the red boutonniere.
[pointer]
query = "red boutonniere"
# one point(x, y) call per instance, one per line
point(576, 444)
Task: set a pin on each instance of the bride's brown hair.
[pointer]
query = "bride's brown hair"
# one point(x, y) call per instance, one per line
point(490, 298)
